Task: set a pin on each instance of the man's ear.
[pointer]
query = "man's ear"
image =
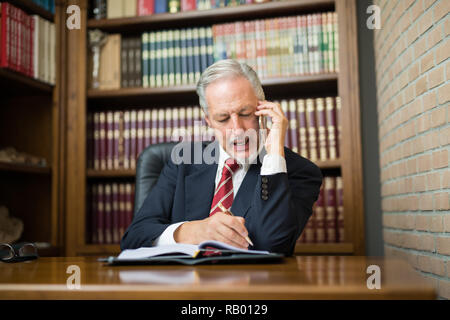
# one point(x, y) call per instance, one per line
point(208, 122)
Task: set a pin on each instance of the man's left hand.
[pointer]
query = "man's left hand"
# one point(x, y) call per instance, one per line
point(275, 140)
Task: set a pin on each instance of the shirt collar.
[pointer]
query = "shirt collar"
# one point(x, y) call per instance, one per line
point(223, 156)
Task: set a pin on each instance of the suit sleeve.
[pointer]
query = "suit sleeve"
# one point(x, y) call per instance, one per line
point(282, 205)
point(155, 214)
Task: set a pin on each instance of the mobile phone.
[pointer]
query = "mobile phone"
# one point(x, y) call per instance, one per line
point(262, 122)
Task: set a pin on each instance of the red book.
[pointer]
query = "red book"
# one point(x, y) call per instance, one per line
point(340, 209)
point(96, 138)
point(176, 125)
point(331, 128)
point(321, 126)
point(330, 208)
point(302, 128)
point(182, 123)
point(115, 213)
point(154, 127)
point(90, 140)
point(339, 125)
point(109, 139)
point(128, 204)
point(139, 133)
point(94, 214)
point(126, 140)
point(19, 41)
point(122, 211)
point(133, 125)
point(187, 5)
point(103, 142)
point(147, 128)
point(168, 124)
point(100, 213)
point(32, 46)
point(5, 35)
point(145, 7)
point(116, 140)
point(311, 124)
point(293, 125)
point(319, 218)
point(108, 215)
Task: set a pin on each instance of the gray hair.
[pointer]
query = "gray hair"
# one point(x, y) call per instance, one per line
point(227, 69)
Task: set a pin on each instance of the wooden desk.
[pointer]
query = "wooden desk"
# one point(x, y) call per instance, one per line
point(316, 277)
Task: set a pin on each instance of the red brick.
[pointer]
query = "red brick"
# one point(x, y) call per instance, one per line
point(442, 201)
point(444, 287)
point(427, 62)
point(429, 100)
point(421, 85)
point(441, 9)
point(434, 37)
point(438, 117)
point(437, 223)
point(433, 181)
point(425, 22)
point(447, 224)
point(426, 243)
point(444, 93)
point(416, 11)
point(419, 183)
point(442, 51)
point(431, 264)
point(426, 202)
point(423, 222)
point(440, 159)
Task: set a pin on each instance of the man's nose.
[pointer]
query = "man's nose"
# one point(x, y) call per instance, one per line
point(236, 123)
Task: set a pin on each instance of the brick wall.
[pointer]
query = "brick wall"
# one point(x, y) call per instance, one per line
point(413, 91)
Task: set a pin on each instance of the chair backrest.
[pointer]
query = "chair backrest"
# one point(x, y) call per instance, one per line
point(148, 168)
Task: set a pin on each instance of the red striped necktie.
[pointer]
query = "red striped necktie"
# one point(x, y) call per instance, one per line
point(224, 190)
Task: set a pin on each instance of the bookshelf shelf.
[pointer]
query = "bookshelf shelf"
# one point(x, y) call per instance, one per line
point(24, 168)
point(203, 17)
point(318, 248)
point(31, 8)
point(17, 83)
point(270, 85)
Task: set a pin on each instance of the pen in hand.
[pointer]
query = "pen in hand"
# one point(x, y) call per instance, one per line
point(224, 210)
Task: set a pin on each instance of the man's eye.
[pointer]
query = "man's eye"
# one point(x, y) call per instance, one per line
point(246, 115)
point(222, 120)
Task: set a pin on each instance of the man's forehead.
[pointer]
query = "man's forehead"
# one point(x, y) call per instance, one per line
point(232, 109)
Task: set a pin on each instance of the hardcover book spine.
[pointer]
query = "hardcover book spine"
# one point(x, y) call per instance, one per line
point(145, 60)
point(161, 126)
point(190, 123)
point(126, 140)
point(312, 133)
point(182, 123)
point(336, 41)
point(108, 217)
point(187, 5)
point(131, 65)
point(100, 214)
point(171, 57)
point(90, 140)
point(152, 60)
point(340, 209)
point(196, 54)
point(321, 125)
point(161, 6)
point(164, 58)
point(129, 204)
point(319, 218)
point(339, 125)
point(309, 230)
point(117, 142)
point(159, 62)
point(168, 125)
point(196, 123)
point(140, 133)
point(331, 128)
point(110, 140)
point(325, 43)
point(122, 211)
point(94, 214)
point(302, 125)
point(103, 142)
point(97, 148)
point(115, 213)
point(330, 207)
point(154, 129)
point(175, 135)
point(285, 108)
point(133, 136)
point(293, 125)
point(147, 128)
point(203, 49)
point(145, 7)
point(177, 56)
point(184, 57)
point(209, 47)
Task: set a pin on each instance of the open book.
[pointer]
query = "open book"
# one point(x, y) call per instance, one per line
point(206, 252)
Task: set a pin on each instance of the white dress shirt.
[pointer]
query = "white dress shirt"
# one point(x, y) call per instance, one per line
point(271, 164)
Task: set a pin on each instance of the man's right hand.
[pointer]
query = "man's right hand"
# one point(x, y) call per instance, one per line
point(220, 226)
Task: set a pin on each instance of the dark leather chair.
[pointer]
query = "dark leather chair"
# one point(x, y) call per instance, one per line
point(148, 168)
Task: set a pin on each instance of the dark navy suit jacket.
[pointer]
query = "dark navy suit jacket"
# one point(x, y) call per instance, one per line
point(276, 207)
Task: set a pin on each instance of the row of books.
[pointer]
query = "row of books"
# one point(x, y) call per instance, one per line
point(326, 224)
point(314, 127)
point(116, 138)
point(276, 47)
point(285, 46)
point(110, 9)
point(48, 5)
point(111, 212)
point(27, 43)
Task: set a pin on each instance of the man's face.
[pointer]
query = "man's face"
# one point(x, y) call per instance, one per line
point(231, 113)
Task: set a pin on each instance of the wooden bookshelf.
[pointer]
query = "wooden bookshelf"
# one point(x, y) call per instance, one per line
point(32, 8)
point(31, 121)
point(18, 83)
point(24, 168)
point(207, 17)
point(83, 100)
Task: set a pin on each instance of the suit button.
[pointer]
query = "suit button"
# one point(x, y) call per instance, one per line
point(264, 180)
point(264, 197)
point(264, 186)
point(265, 192)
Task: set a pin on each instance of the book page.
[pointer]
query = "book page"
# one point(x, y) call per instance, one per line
point(146, 252)
point(222, 245)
